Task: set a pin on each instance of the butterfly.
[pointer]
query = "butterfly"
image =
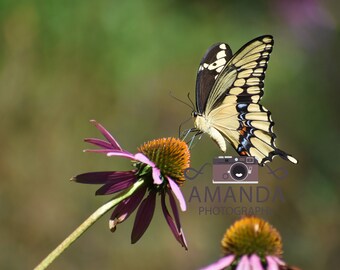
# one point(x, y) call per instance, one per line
point(228, 90)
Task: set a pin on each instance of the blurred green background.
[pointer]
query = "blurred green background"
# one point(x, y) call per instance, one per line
point(63, 63)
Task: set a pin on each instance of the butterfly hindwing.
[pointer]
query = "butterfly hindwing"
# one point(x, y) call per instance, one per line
point(230, 105)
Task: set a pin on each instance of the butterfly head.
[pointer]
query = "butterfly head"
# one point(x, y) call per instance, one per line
point(194, 114)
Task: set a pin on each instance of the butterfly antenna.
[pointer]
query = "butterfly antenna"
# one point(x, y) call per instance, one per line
point(191, 106)
point(192, 103)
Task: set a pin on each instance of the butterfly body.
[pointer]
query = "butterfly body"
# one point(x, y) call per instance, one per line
point(228, 90)
point(202, 123)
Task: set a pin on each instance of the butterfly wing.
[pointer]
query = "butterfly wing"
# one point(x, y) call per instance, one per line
point(212, 63)
point(232, 104)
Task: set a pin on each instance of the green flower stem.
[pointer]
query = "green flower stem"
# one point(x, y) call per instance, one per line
point(85, 225)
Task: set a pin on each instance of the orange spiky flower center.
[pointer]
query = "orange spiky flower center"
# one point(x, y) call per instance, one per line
point(171, 156)
point(251, 235)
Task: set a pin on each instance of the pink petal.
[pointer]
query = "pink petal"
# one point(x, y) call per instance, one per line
point(272, 264)
point(177, 191)
point(120, 154)
point(244, 263)
point(127, 206)
point(179, 235)
point(116, 186)
point(221, 263)
point(183, 239)
point(156, 173)
point(174, 208)
point(278, 260)
point(98, 142)
point(255, 262)
point(107, 135)
point(104, 151)
point(142, 158)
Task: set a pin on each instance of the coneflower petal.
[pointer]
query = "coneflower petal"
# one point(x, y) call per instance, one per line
point(278, 260)
point(178, 233)
point(127, 207)
point(244, 264)
point(221, 263)
point(93, 177)
point(177, 191)
point(120, 154)
point(142, 158)
point(103, 177)
point(143, 217)
point(104, 151)
point(156, 173)
point(116, 186)
point(272, 264)
point(174, 209)
point(99, 142)
point(107, 135)
point(255, 262)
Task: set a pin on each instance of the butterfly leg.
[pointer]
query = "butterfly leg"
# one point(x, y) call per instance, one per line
point(185, 133)
point(191, 142)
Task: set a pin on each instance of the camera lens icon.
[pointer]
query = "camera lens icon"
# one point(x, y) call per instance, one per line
point(238, 171)
point(235, 170)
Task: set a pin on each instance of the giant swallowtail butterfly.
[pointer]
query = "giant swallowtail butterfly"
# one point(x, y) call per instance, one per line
point(228, 90)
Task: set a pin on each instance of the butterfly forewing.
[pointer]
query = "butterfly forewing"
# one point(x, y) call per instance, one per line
point(210, 67)
point(244, 74)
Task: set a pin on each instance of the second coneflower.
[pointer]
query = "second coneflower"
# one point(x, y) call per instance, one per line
point(251, 244)
point(158, 168)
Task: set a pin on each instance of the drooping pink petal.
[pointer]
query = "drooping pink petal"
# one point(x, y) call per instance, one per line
point(221, 263)
point(244, 263)
point(143, 217)
point(174, 209)
point(178, 193)
point(156, 173)
point(103, 177)
point(107, 135)
point(272, 264)
point(126, 207)
point(255, 262)
point(98, 142)
point(181, 232)
point(278, 260)
point(169, 219)
point(178, 233)
point(142, 158)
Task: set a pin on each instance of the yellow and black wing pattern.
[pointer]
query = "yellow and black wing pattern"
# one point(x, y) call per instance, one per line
point(228, 90)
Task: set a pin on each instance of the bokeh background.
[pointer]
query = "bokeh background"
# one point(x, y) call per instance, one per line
point(63, 63)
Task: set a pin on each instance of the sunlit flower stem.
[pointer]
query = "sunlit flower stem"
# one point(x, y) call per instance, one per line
point(86, 224)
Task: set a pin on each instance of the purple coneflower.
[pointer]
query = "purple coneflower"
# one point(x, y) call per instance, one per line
point(251, 244)
point(159, 165)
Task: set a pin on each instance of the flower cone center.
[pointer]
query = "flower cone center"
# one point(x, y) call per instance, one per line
point(171, 156)
point(252, 235)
